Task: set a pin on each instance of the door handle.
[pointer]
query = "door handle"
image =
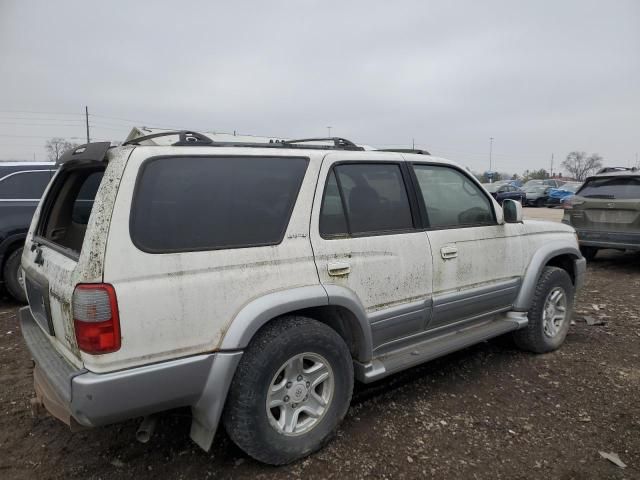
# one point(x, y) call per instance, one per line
point(449, 251)
point(338, 269)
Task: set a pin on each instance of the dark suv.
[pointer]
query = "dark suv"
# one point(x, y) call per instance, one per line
point(21, 186)
point(605, 211)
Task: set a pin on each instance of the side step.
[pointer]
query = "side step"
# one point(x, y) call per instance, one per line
point(435, 347)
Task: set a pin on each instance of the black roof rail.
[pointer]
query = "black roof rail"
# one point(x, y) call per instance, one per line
point(89, 151)
point(404, 150)
point(186, 137)
point(338, 142)
point(189, 138)
point(615, 169)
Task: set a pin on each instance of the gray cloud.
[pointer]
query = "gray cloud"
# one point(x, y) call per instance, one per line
point(540, 77)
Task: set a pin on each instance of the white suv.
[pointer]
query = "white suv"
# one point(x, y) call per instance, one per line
point(254, 282)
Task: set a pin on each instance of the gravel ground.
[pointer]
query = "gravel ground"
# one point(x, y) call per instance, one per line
point(490, 411)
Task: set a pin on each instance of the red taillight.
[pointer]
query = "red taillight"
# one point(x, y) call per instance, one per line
point(95, 318)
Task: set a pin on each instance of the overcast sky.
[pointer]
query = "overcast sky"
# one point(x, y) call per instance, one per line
point(541, 77)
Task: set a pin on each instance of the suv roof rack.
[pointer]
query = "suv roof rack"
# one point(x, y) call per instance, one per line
point(338, 142)
point(616, 169)
point(418, 151)
point(190, 138)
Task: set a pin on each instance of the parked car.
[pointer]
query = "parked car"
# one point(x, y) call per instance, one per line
point(605, 211)
point(537, 195)
point(549, 181)
point(254, 282)
point(512, 182)
point(504, 192)
point(21, 186)
point(558, 195)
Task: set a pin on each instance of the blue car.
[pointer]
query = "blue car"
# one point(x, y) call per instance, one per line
point(557, 196)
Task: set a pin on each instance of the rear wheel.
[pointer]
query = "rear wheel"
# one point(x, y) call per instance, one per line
point(540, 203)
point(550, 313)
point(589, 252)
point(13, 278)
point(290, 392)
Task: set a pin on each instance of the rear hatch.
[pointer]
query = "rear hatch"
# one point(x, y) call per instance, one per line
point(66, 242)
point(608, 204)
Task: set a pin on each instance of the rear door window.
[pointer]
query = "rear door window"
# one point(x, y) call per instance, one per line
point(208, 203)
point(364, 199)
point(623, 188)
point(24, 185)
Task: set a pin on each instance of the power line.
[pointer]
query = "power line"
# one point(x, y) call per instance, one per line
point(37, 113)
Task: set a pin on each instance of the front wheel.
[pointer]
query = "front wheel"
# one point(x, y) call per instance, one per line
point(292, 389)
point(550, 313)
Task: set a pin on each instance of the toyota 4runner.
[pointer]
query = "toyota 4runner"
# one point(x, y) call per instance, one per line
point(254, 282)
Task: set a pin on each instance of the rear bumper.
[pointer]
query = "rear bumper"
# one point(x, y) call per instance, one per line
point(601, 239)
point(78, 396)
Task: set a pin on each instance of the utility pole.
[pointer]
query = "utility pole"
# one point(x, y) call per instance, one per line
point(86, 116)
point(551, 171)
point(329, 131)
point(413, 145)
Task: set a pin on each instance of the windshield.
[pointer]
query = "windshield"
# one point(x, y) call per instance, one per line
point(535, 189)
point(491, 187)
point(612, 187)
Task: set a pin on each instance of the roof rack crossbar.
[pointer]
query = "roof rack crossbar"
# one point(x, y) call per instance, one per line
point(186, 137)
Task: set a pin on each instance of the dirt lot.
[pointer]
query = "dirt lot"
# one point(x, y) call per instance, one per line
point(490, 411)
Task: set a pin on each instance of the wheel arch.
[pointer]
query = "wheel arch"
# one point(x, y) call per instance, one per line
point(557, 254)
point(337, 307)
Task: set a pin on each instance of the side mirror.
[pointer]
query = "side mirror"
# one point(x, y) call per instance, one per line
point(512, 211)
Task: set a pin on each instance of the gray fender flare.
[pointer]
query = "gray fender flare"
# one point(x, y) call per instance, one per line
point(534, 270)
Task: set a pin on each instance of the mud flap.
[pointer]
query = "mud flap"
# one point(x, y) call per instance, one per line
point(208, 409)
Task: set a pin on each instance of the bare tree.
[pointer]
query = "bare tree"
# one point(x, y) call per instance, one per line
point(580, 166)
point(57, 146)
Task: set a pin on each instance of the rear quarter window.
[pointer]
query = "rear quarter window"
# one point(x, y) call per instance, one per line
point(208, 203)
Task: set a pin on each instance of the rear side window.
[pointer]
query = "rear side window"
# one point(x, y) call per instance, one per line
point(624, 188)
point(365, 198)
point(208, 203)
point(451, 199)
point(25, 185)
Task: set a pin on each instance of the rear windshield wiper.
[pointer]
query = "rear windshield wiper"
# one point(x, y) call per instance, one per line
point(609, 197)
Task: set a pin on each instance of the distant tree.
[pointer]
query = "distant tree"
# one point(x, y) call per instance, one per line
point(57, 146)
point(580, 166)
point(534, 175)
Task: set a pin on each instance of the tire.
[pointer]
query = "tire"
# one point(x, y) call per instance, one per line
point(589, 252)
point(540, 203)
point(11, 275)
point(540, 336)
point(265, 363)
